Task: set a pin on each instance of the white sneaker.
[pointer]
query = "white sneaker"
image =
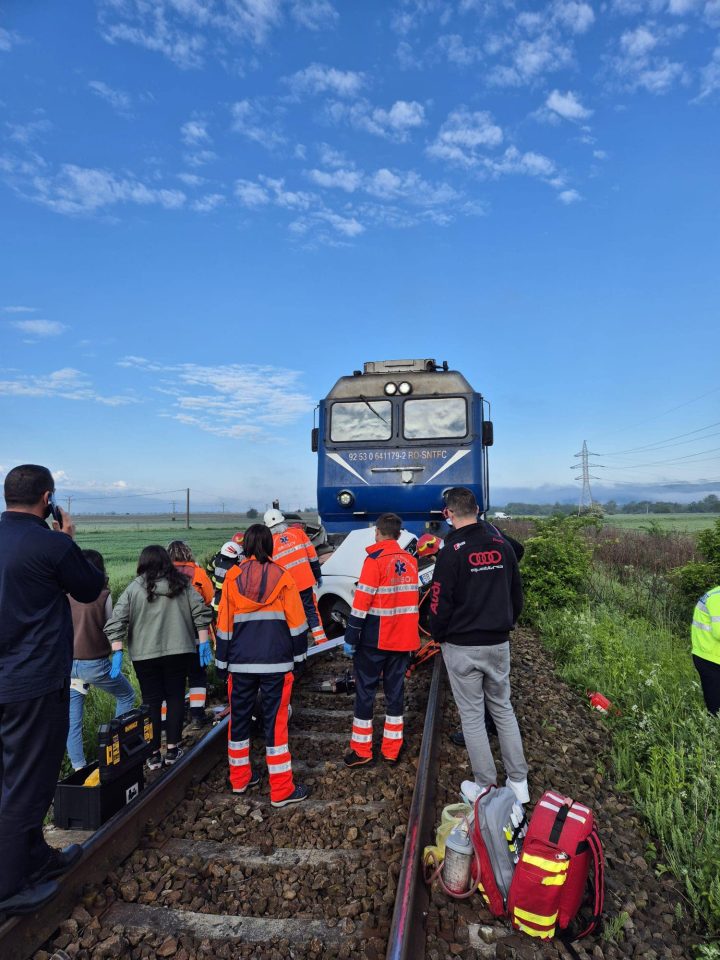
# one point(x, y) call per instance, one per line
point(520, 789)
point(470, 791)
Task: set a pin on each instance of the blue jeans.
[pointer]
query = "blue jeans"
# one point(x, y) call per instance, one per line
point(96, 673)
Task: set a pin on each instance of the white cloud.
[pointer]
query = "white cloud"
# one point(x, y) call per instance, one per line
point(7, 39)
point(710, 76)
point(193, 132)
point(118, 99)
point(66, 383)
point(25, 133)
point(198, 158)
point(290, 199)
point(393, 124)
point(314, 14)
point(211, 201)
point(453, 47)
point(251, 194)
point(40, 328)
point(319, 79)
point(567, 105)
point(85, 190)
point(463, 135)
point(347, 180)
point(251, 120)
point(188, 31)
point(231, 400)
point(569, 196)
point(576, 17)
point(191, 179)
point(638, 63)
point(531, 59)
point(16, 309)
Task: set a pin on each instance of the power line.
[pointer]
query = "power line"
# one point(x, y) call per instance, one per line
point(660, 443)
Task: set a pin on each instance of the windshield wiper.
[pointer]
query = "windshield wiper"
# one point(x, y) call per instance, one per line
point(378, 415)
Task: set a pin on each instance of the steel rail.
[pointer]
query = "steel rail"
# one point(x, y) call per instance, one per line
point(21, 936)
point(407, 928)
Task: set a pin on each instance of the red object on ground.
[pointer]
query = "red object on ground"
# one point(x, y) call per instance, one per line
point(599, 701)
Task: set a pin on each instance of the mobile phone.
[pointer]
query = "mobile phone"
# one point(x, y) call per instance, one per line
point(55, 510)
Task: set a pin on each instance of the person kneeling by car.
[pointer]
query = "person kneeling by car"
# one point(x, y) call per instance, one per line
point(381, 634)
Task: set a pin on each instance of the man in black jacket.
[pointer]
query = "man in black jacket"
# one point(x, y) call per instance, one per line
point(38, 568)
point(475, 600)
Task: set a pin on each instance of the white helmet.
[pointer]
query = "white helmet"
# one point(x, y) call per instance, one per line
point(273, 517)
point(231, 550)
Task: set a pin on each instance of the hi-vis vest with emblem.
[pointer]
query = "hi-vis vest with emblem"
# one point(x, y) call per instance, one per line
point(294, 552)
point(385, 606)
point(705, 632)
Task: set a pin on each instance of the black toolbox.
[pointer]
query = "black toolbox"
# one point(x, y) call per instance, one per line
point(123, 746)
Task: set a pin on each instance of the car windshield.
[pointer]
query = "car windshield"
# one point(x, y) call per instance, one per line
point(361, 420)
point(435, 418)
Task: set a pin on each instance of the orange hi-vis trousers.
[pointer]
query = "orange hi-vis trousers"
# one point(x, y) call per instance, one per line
point(275, 690)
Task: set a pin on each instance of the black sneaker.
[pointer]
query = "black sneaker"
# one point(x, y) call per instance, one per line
point(154, 761)
point(458, 738)
point(57, 863)
point(254, 781)
point(28, 900)
point(299, 794)
point(396, 759)
point(352, 759)
point(172, 755)
point(200, 720)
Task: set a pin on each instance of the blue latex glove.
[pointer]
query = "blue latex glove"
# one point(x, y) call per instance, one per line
point(318, 582)
point(116, 665)
point(348, 650)
point(205, 653)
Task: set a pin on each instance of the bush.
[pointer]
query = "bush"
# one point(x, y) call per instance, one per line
point(694, 579)
point(555, 568)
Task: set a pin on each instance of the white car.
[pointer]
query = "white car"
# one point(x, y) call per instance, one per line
point(341, 572)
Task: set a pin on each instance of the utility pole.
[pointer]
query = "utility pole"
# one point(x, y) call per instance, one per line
point(585, 476)
point(173, 508)
point(69, 501)
point(222, 504)
point(187, 508)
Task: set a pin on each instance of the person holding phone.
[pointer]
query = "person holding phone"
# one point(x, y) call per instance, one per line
point(39, 567)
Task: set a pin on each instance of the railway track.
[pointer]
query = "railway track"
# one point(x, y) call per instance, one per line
point(190, 870)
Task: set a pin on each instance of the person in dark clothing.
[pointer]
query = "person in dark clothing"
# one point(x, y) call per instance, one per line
point(38, 568)
point(475, 600)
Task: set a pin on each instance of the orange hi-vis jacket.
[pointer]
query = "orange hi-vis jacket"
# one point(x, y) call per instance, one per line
point(199, 579)
point(385, 606)
point(294, 552)
point(261, 625)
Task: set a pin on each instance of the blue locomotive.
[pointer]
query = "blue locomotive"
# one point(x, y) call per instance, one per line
point(394, 436)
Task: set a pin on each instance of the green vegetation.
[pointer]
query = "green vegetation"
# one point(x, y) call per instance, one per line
point(677, 522)
point(555, 567)
point(628, 637)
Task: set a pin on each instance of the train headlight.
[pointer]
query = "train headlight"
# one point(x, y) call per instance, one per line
point(405, 388)
point(391, 389)
point(345, 498)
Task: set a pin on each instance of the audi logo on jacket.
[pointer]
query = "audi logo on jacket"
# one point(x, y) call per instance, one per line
point(476, 595)
point(261, 626)
point(385, 605)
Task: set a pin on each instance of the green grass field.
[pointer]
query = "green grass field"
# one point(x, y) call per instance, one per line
point(674, 522)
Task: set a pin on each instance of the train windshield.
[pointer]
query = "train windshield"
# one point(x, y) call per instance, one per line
point(361, 420)
point(435, 419)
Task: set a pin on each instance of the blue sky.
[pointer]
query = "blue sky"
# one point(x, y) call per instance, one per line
point(211, 209)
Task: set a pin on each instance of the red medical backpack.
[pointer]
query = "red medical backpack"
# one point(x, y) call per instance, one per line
point(559, 852)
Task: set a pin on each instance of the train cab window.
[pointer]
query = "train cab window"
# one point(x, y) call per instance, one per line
point(361, 420)
point(435, 419)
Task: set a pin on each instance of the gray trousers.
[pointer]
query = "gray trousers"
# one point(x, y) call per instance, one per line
point(478, 674)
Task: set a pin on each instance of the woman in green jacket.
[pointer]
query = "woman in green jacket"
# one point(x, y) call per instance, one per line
point(164, 621)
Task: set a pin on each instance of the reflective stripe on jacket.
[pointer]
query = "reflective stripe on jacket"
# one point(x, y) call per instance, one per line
point(294, 552)
point(705, 633)
point(261, 626)
point(385, 606)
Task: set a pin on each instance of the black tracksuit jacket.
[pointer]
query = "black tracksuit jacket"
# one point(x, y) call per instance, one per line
point(476, 595)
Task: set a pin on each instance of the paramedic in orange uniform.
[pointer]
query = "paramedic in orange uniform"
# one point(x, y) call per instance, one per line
point(381, 633)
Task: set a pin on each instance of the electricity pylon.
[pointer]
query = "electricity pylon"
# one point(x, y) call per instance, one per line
point(584, 467)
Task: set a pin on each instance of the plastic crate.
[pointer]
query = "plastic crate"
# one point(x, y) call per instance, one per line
point(86, 808)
